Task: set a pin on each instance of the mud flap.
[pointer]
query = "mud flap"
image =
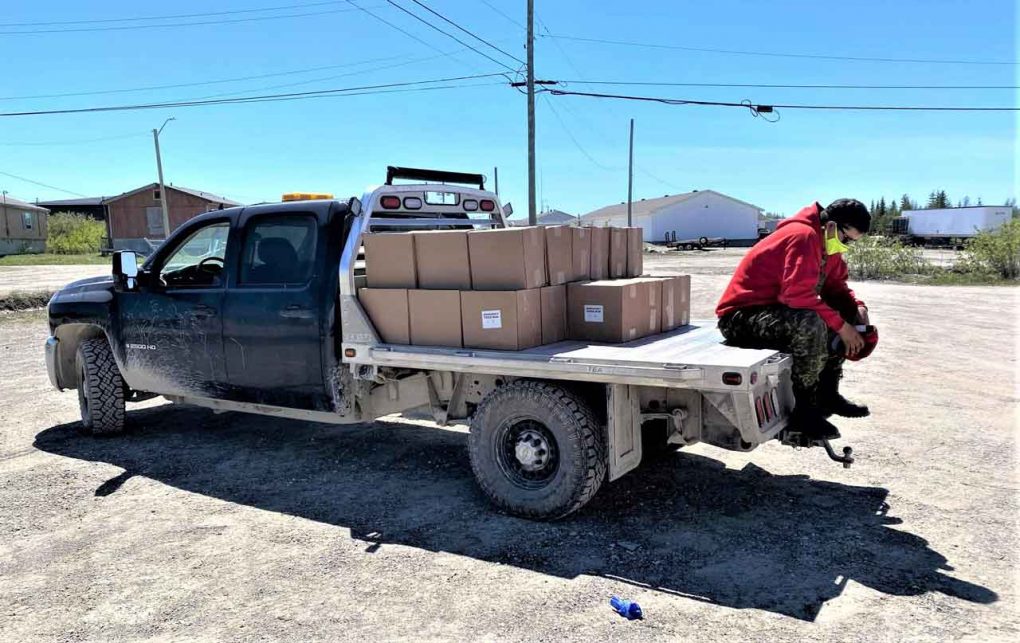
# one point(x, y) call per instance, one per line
point(623, 429)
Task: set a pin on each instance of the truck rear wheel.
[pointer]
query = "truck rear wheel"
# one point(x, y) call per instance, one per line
point(100, 388)
point(537, 449)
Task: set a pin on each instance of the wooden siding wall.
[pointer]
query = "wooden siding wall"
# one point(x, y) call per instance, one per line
point(12, 224)
point(128, 219)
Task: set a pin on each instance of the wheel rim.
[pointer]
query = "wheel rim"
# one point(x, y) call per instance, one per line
point(83, 397)
point(527, 453)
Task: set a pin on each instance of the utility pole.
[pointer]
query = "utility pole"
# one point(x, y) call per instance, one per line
point(495, 174)
point(532, 213)
point(163, 200)
point(630, 177)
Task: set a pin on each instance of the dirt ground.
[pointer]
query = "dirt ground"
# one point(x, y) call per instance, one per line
point(34, 278)
point(195, 525)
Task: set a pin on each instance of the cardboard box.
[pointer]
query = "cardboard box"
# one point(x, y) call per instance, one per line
point(387, 308)
point(580, 245)
point(389, 260)
point(441, 259)
point(599, 267)
point(618, 244)
point(559, 254)
point(507, 258)
point(676, 302)
point(613, 311)
point(635, 251)
point(554, 314)
point(435, 317)
point(508, 320)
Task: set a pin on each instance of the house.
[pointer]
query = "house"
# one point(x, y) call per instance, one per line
point(550, 217)
point(23, 227)
point(692, 215)
point(134, 219)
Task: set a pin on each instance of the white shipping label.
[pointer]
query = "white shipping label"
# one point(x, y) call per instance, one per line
point(593, 313)
point(492, 319)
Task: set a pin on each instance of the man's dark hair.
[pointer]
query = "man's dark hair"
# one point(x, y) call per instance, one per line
point(848, 212)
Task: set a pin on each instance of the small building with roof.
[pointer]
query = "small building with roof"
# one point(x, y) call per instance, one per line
point(23, 226)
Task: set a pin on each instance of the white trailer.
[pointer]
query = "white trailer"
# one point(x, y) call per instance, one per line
point(955, 223)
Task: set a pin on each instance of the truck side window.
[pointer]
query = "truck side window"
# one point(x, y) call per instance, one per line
point(278, 250)
point(198, 261)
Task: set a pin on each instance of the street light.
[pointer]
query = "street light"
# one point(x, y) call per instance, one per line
point(162, 188)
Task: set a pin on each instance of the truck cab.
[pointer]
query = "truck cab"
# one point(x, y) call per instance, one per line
point(236, 305)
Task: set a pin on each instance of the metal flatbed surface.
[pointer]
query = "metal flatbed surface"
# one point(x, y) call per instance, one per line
point(693, 355)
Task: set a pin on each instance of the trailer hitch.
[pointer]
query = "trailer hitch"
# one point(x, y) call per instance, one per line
point(848, 453)
point(796, 439)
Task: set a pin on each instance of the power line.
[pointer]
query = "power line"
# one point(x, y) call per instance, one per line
point(303, 5)
point(577, 144)
point(203, 83)
point(52, 187)
point(393, 26)
point(447, 34)
point(739, 52)
point(765, 108)
point(365, 89)
point(470, 33)
point(500, 12)
point(176, 24)
point(781, 86)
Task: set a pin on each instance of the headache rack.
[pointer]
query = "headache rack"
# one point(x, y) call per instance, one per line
point(434, 176)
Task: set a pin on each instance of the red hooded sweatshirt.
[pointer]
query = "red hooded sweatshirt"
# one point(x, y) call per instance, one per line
point(786, 267)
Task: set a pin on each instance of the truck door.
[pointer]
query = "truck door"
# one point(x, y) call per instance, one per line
point(273, 334)
point(171, 327)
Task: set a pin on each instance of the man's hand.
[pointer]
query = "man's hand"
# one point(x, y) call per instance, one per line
point(862, 316)
point(851, 339)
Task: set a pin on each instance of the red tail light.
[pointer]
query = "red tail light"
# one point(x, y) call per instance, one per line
point(390, 202)
point(733, 379)
point(759, 411)
point(487, 205)
point(770, 412)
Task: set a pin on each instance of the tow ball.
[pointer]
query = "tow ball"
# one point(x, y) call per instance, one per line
point(848, 453)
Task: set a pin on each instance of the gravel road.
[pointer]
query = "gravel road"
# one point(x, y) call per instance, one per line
point(36, 278)
point(234, 527)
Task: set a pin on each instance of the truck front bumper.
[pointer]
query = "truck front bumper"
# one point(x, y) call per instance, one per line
point(52, 344)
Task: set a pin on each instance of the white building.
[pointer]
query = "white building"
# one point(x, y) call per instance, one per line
point(549, 217)
point(704, 213)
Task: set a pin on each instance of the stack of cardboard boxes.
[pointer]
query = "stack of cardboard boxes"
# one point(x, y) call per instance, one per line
point(516, 288)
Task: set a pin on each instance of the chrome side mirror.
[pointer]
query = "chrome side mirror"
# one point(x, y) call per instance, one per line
point(125, 268)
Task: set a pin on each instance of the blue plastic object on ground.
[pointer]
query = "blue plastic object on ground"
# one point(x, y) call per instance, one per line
point(623, 607)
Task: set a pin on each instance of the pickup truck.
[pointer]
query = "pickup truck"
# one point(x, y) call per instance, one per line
point(255, 309)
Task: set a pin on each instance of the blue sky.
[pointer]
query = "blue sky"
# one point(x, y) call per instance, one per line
point(256, 152)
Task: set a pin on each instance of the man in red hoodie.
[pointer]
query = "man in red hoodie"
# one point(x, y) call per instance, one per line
point(789, 293)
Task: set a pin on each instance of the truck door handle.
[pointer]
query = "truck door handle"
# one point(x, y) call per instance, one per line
point(296, 311)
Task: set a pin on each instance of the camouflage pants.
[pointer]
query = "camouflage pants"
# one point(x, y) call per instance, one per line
point(801, 333)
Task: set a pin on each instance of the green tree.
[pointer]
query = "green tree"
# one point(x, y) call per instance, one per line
point(907, 204)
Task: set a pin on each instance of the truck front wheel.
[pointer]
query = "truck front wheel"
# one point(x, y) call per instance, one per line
point(537, 449)
point(100, 388)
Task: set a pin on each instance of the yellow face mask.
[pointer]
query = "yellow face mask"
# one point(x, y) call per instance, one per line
point(833, 246)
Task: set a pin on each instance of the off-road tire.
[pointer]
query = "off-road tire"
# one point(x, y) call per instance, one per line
point(100, 388)
point(579, 441)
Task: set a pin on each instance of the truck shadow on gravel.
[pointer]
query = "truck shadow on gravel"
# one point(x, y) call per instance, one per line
point(685, 524)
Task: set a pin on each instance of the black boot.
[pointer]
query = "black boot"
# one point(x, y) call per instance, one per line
point(831, 402)
point(809, 421)
point(839, 405)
